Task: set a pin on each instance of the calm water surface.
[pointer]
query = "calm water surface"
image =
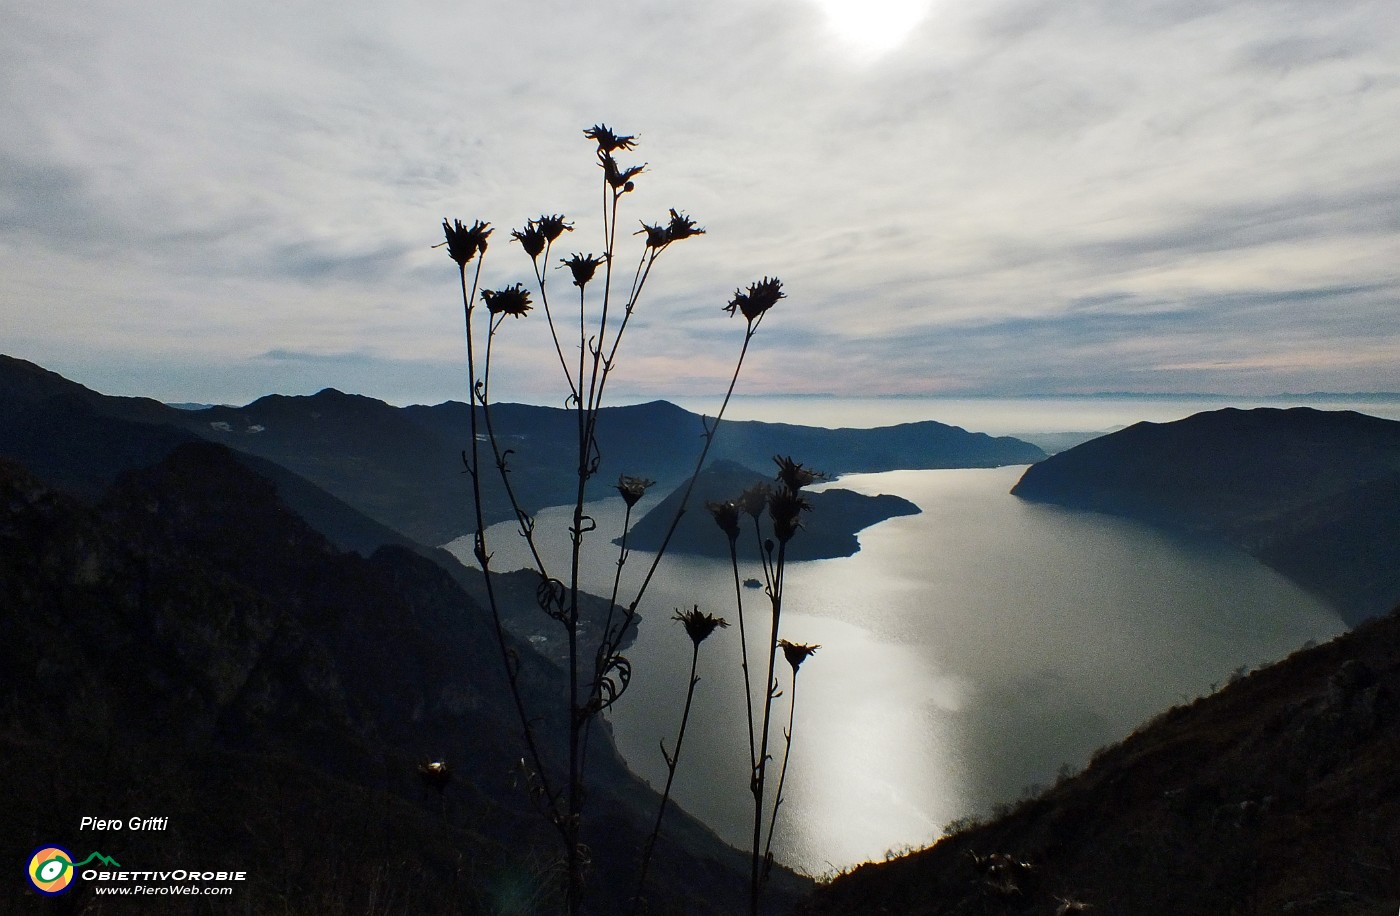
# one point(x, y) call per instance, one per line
point(967, 653)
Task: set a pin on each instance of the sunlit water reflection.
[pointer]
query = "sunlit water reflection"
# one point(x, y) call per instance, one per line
point(967, 653)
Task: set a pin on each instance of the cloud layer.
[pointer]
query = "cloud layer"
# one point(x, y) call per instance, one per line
point(207, 202)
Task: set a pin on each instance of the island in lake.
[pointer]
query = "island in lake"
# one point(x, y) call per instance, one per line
point(829, 529)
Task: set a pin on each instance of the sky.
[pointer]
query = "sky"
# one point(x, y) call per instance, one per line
point(210, 202)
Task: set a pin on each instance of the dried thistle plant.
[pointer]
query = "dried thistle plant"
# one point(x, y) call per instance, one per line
point(604, 312)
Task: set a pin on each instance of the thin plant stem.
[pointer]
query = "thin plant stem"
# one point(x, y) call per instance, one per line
point(510, 663)
point(743, 646)
point(523, 519)
point(575, 785)
point(549, 319)
point(782, 774)
point(761, 769)
point(672, 762)
point(608, 646)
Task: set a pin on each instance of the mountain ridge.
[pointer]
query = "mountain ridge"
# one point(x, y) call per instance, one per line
point(1277, 483)
point(402, 467)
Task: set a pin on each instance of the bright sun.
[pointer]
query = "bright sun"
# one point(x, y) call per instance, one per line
point(874, 26)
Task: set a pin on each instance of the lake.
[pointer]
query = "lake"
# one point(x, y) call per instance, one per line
point(968, 653)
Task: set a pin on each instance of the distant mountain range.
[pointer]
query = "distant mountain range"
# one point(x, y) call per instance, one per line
point(402, 467)
point(1314, 494)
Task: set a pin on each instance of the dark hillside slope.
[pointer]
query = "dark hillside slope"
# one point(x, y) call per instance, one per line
point(190, 648)
point(1312, 493)
point(65, 435)
point(1278, 795)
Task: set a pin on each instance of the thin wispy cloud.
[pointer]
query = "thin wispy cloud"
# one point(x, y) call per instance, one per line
point(1008, 197)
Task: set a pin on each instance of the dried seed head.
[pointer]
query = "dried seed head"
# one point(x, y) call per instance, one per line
point(793, 475)
point(755, 498)
point(726, 515)
point(582, 267)
point(759, 298)
point(632, 488)
point(699, 626)
point(797, 653)
point(785, 507)
point(681, 227)
point(509, 300)
point(530, 238)
point(619, 178)
point(656, 235)
point(608, 140)
point(464, 242)
point(552, 226)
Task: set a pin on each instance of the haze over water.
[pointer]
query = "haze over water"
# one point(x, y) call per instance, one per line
point(967, 653)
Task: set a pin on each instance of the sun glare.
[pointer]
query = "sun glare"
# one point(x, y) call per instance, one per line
point(873, 27)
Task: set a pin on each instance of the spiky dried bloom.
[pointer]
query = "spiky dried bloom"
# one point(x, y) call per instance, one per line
point(796, 653)
point(656, 235)
point(699, 626)
point(785, 508)
point(793, 475)
point(464, 242)
point(681, 227)
point(608, 140)
point(553, 225)
point(632, 488)
point(530, 238)
point(759, 298)
point(755, 498)
point(726, 515)
point(619, 178)
point(538, 232)
point(435, 774)
point(508, 300)
point(582, 267)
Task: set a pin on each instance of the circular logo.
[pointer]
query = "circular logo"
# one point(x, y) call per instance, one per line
point(51, 869)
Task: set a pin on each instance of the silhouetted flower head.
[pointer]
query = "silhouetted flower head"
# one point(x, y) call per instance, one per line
point(755, 498)
point(681, 227)
point(793, 475)
point(508, 300)
point(797, 653)
point(609, 141)
point(761, 297)
point(632, 488)
point(553, 226)
point(619, 178)
point(538, 232)
point(785, 507)
point(435, 774)
point(530, 238)
point(463, 242)
point(726, 516)
point(699, 626)
point(582, 267)
point(656, 235)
